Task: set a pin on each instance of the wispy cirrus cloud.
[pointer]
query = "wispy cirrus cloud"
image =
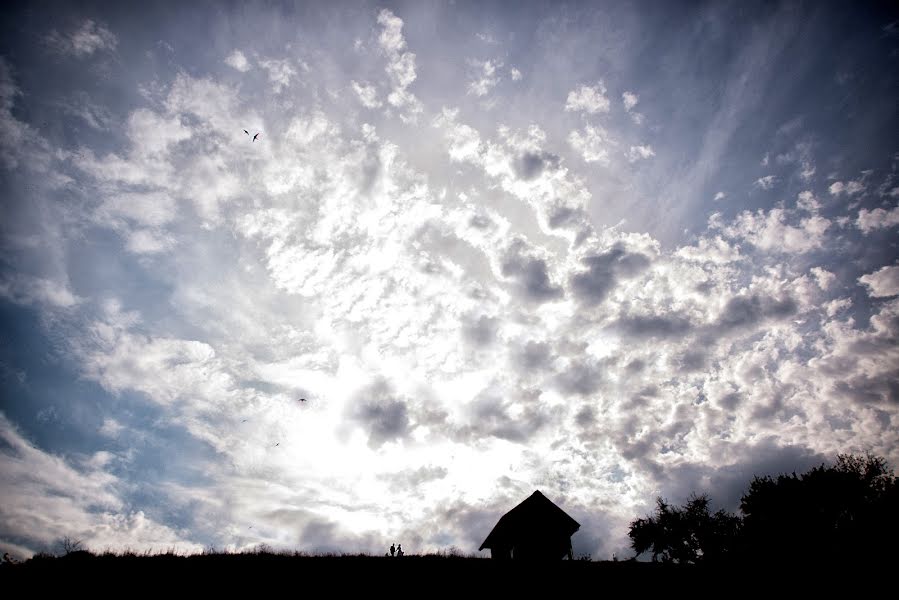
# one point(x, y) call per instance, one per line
point(83, 41)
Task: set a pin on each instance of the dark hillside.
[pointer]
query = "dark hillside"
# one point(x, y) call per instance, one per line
point(410, 576)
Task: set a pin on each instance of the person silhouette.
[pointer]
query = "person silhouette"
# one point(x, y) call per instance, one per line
point(399, 549)
point(392, 549)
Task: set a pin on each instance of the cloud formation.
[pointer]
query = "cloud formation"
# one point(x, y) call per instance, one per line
point(589, 99)
point(430, 279)
point(83, 41)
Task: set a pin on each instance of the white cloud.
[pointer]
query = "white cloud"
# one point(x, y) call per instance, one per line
point(806, 201)
point(715, 250)
point(147, 241)
point(400, 64)
point(593, 144)
point(882, 283)
point(391, 36)
point(800, 155)
point(588, 99)
point(771, 231)
point(152, 209)
point(47, 498)
point(486, 77)
point(111, 428)
point(850, 188)
point(766, 182)
point(435, 316)
point(857, 366)
point(153, 134)
point(367, 93)
point(238, 61)
point(526, 171)
point(640, 152)
point(719, 196)
point(834, 307)
point(486, 38)
point(878, 218)
point(84, 41)
point(30, 290)
point(630, 100)
point(280, 72)
point(515, 74)
point(808, 171)
point(81, 106)
point(823, 277)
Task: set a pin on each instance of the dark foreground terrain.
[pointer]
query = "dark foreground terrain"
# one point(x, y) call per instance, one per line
point(412, 576)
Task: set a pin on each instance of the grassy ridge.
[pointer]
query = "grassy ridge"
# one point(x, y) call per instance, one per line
point(411, 577)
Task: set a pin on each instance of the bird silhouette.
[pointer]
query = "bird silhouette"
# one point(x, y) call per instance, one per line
point(246, 132)
point(278, 444)
point(255, 136)
point(302, 399)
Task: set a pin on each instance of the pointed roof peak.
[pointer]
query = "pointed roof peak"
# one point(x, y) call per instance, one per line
point(535, 511)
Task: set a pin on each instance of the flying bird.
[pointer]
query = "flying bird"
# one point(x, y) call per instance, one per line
point(246, 132)
point(254, 137)
point(278, 444)
point(302, 399)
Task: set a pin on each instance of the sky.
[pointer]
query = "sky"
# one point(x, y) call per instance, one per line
point(609, 250)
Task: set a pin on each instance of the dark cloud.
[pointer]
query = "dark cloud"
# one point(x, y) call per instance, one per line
point(635, 366)
point(745, 311)
point(726, 484)
point(656, 326)
point(488, 415)
point(531, 164)
point(530, 273)
point(480, 331)
point(370, 169)
point(863, 388)
point(469, 523)
point(413, 479)
point(316, 533)
point(566, 216)
point(586, 416)
point(381, 413)
point(581, 377)
point(603, 272)
point(693, 360)
point(480, 222)
point(533, 356)
point(730, 401)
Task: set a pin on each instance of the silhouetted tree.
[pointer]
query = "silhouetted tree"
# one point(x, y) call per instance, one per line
point(690, 534)
point(70, 545)
point(845, 511)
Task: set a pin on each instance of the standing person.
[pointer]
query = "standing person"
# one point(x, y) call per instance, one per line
point(399, 549)
point(392, 549)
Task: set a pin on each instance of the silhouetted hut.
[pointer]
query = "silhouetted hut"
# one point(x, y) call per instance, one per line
point(536, 529)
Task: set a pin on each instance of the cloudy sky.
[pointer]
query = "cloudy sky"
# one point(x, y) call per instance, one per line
point(609, 251)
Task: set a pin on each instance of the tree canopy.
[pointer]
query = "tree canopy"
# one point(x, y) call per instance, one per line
point(844, 511)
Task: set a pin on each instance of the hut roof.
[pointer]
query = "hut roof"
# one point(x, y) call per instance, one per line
point(535, 513)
